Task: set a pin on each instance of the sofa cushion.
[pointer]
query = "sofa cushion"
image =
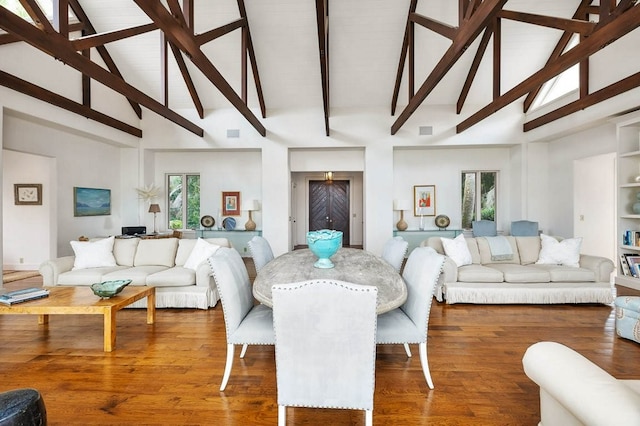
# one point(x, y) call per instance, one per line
point(559, 273)
point(554, 252)
point(93, 254)
point(485, 251)
point(160, 251)
point(522, 274)
point(185, 246)
point(124, 250)
point(172, 277)
point(528, 249)
point(86, 276)
point(457, 250)
point(202, 250)
point(479, 274)
point(137, 274)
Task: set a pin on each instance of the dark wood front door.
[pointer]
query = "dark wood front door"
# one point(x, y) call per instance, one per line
point(329, 206)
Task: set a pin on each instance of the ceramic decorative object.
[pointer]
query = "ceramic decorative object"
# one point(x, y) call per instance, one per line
point(442, 221)
point(109, 289)
point(207, 221)
point(324, 244)
point(229, 223)
point(636, 205)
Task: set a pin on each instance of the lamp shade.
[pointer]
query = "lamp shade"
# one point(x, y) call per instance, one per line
point(154, 208)
point(401, 205)
point(252, 205)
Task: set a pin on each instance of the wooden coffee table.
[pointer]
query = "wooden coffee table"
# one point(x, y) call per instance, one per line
point(81, 300)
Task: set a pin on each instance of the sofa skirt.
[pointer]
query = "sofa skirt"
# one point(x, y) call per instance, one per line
point(529, 293)
point(193, 297)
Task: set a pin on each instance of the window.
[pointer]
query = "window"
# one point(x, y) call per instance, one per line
point(561, 84)
point(184, 201)
point(478, 196)
point(45, 5)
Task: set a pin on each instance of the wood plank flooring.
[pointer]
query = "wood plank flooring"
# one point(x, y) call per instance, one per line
point(169, 373)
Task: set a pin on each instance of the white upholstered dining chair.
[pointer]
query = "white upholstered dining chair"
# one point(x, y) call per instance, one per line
point(260, 251)
point(410, 322)
point(394, 251)
point(245, 323)
point(325, 345)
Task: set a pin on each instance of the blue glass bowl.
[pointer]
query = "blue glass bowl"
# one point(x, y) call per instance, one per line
point(324, 244)
point(109, 289)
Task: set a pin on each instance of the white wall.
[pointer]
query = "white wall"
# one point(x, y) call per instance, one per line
point(24, 225)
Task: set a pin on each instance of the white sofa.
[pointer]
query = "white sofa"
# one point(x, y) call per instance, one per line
point(574, 391)
point(154, 262)
point(520, 279)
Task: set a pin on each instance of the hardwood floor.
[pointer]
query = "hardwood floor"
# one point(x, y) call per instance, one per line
point(169, 373)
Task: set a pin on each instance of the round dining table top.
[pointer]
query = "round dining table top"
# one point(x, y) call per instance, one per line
point(351, 265)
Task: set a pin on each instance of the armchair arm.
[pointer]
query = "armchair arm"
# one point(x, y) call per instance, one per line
point(50, 269)
point(573, 389)
point(601, 266)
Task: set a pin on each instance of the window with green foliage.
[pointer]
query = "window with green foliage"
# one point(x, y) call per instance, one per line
point(478, 196)
point(183, 201)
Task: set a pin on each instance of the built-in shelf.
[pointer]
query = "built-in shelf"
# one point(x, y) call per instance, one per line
point(415, 236)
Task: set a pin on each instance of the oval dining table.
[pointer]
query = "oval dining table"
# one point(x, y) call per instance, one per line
point(351, 265)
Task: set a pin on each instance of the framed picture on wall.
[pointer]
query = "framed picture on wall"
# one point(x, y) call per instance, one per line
point(91, 201)
point(424, 200)
point(28, 194)
point(231, 203)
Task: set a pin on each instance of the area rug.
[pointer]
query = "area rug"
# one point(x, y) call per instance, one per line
point(9, 276)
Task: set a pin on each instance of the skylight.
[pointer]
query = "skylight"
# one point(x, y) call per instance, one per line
point(46, 5)
point(561, 84)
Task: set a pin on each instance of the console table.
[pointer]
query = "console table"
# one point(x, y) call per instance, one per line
point(239, 239)
point(414, 236)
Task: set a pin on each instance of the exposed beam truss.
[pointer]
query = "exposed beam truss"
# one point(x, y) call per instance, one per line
point(616, 18)
point(177, 27)
point(322, 20)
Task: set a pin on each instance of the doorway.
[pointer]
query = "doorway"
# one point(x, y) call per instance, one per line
point(329, 206)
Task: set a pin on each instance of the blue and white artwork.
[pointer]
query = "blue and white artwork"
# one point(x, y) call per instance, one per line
point(91, 201)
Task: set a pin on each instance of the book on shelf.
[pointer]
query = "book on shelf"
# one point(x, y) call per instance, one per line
point(631, 238)
point(624, 265)
point(23, 295)
point(633, 260)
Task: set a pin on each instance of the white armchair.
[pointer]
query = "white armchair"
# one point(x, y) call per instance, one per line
point(325, 345)
point(575, 391)
point(394, 251)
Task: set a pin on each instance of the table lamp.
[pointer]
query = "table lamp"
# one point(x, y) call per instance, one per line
point(401, 205)
point(252, 205)
point(154, 208)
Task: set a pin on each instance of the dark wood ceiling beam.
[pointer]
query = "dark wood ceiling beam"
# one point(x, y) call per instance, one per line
point(598, 96)
point(61, 16)
point(572, 25)
point(403, 55)
point(61, 48)
point(473, 6)
point(322, 21)
point(187, 79)
point(475, 65)
point(497, 58)
point(188, 11)
point(95, 40)
point(441, 28)
point(30, 89)
point(623, 24)
point(252, 59)
point(187, 43)
point(102, 50)
point(213, 34)
point(582, 10)
point(484, 14)
point(40, 20)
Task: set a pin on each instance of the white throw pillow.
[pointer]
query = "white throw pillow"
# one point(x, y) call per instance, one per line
point(201, 252)
point(94, 254)
point(554, 252)
point(457, 250)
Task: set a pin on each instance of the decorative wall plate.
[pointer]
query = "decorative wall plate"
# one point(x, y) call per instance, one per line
point(442, 221)
point(207, 221)
point(229, 223)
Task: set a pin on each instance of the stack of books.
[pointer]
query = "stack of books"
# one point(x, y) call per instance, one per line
point(24, 295)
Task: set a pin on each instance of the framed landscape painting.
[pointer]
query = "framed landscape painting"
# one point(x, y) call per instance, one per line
point(91, 201)
point(424, 200)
